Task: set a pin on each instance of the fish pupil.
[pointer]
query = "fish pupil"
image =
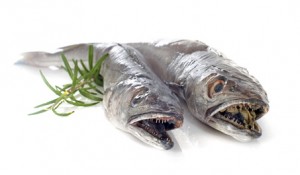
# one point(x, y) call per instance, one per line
point(219, 87)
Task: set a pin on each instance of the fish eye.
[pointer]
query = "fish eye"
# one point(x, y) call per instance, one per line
point(216, 87)
point(219, 87)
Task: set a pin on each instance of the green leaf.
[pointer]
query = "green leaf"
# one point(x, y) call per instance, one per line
point(98, 80)
point(91, 91)
point(38, 112)
point(89, 95)
point(67, 65)
point(90, 87)
point(74, 99)
point(100, 91)
point(59, 88)
point(74, 78)
point(81, 72)
point(45, 104)
point(62, 114)
point(83, 66)
point(81, 104)
point(66, 86)
point(58, 102)
point(91, 56)
point(48, 84)
point(98, 64)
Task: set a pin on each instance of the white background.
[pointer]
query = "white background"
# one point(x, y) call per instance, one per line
point(263, 36)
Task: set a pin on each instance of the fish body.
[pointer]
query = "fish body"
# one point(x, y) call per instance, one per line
point(144, 82)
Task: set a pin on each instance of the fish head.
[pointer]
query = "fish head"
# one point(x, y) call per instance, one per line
point(152, 113)
point(228, 99)
point(145, 111)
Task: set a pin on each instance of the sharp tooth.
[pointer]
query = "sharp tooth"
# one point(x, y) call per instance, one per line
point(222, 110)
point(253, 114)
point(265, 109)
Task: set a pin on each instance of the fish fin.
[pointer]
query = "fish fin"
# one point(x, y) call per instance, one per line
point(220, 54)
point(53, 59)
point(38, 59)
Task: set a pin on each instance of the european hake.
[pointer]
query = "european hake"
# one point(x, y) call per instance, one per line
point(144, 83)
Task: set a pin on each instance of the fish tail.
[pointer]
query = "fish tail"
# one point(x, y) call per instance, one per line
point(39, 59)
point(54, 59)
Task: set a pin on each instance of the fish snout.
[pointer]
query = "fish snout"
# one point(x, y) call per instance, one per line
point(152, 128)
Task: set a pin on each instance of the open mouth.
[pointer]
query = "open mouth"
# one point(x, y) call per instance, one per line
point(157, 125)
point(242, 114)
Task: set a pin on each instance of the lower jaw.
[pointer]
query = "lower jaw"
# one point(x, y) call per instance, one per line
point(147, 138)
point(243, 135)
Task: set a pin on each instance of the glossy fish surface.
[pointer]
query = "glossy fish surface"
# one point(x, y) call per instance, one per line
point(147, 84)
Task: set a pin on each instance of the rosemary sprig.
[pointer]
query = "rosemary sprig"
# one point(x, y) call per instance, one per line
point(86, 81)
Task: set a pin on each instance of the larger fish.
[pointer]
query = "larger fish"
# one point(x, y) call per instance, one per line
point(140, 80)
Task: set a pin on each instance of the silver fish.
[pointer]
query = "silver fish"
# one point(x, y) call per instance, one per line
point(136, 100)
point(141, 80)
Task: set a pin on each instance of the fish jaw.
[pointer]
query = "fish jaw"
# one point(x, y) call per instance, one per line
point(152, 128)
point(238, 118)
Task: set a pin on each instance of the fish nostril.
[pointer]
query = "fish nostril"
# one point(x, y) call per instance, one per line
point(136, 100)
point(139, 96)
point(232, 89)
point(163, 105)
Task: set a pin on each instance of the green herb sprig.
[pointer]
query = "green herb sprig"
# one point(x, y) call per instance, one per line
point(86, 83)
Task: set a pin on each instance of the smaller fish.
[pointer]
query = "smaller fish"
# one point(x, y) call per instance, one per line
point(136, 100)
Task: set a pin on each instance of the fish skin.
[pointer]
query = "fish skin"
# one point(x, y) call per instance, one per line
point(189, 66)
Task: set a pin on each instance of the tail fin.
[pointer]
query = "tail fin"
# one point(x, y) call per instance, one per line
point(39, 59)
point(47, 59)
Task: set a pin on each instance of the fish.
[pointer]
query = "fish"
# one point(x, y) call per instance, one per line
point(136, 100)
point(146, 86)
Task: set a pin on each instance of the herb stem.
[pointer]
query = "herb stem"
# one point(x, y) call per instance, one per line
point(85, 83)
